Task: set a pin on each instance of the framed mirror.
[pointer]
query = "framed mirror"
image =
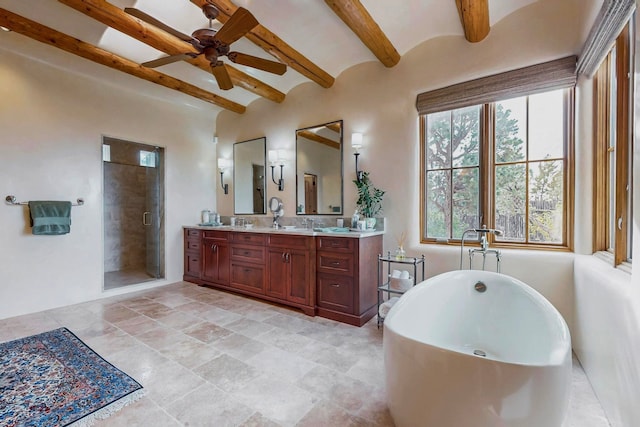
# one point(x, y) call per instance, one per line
point(249, 180)
point(319, 169)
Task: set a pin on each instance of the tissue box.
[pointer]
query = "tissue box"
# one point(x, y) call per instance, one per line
point(399, 284)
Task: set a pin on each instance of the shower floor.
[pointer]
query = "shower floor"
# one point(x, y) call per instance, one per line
point(118, 279)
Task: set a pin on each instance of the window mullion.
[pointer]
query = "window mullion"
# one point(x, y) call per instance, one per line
point(487, 167)
point(622, 145)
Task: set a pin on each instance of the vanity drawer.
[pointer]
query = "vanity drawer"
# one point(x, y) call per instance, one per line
point(192, 264)
point(336, 263)
point(292, 242)
point(248, 277)
point(192, 245)
point(216, 235)
point(249, 238)
point(248, 253)
point(335, 292)
point(192, 233)
point(335, 244)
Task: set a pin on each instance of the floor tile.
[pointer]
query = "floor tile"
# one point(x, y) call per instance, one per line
point(239, 346)
point(209, 406)
point(227, 373)
point(276, 399)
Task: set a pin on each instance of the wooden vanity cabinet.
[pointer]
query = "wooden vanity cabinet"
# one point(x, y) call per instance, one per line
point(347, 278)
point(292, 270)
point(334, 277)
point(215, 255)
point(192, 254)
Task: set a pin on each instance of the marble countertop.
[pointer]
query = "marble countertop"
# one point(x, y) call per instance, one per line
point(294, 232)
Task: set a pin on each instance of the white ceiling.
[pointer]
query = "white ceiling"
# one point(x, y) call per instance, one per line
point(309, 26)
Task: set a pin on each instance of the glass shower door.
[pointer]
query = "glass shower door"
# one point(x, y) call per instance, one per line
point(152, 216)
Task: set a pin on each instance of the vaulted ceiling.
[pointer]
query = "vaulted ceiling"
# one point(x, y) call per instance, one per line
point(316, 40)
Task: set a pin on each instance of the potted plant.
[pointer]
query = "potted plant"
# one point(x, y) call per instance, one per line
point(369, 201)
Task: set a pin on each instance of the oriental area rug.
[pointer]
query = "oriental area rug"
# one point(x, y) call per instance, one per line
point(54, 379)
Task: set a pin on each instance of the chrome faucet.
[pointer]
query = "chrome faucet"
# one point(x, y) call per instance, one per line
point(307, 223)
point(484, 246)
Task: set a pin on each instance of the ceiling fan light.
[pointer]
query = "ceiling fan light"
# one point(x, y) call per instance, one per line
point(210, 11)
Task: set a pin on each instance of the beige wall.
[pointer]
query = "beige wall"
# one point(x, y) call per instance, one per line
point(52, 124)
point(379, 102)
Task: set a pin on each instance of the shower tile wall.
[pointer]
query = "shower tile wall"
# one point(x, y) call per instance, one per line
point(124, 204)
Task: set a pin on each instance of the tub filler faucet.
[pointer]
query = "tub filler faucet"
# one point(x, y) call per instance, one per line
point(484, 246)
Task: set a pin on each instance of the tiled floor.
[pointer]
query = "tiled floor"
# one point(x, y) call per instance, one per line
point(209, 358)
point(117, 279)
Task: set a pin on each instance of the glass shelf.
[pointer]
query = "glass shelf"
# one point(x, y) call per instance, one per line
point(384, 287)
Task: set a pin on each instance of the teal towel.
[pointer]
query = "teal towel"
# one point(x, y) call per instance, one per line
point(332, 230)
point(50, 217)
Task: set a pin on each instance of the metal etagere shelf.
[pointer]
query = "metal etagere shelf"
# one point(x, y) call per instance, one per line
point(385, 286)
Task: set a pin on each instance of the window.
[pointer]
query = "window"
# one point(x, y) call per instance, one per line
point(148, 159)
point(613, 152)
point(503, 164)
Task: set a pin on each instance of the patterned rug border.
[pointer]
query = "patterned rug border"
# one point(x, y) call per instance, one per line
point(108, 409)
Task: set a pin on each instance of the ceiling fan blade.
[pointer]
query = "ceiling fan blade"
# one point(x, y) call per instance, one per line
point(168, 60)
point(240, 23)
point(153, 21)
point(222, 75)
point(256, 62)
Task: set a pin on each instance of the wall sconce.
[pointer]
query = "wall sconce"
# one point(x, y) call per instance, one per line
point(277, 157)
point(356, 144)
point(224, 164)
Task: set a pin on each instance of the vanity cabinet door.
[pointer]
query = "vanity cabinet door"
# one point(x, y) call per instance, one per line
point(299, 285)
point(292, 269)
point(216, 261)
point(278, 274)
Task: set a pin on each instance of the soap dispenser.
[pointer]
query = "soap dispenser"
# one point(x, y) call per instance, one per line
point(354, 219)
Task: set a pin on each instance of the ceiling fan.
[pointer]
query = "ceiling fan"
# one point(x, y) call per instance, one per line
point(214, 44)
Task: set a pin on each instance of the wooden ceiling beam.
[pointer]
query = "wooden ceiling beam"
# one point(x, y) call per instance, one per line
point(85, 50)
point(335, 126)
point(274, 45)
point(474, 15)
point(318, 138)
point(116, 18)
point(353, 13)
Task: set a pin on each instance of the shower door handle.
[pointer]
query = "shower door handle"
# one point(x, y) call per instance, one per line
point(144, 218)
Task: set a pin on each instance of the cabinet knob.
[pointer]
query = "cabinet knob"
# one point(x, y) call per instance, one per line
point(335, 285)
point(335, 263)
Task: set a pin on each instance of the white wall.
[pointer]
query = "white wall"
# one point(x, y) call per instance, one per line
point(606, 337)
point(380, 103)
point(51, 125)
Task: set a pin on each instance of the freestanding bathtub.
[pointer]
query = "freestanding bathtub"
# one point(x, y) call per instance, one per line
point(476, 348)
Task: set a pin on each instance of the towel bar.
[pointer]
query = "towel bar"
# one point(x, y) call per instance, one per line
point(11, 200)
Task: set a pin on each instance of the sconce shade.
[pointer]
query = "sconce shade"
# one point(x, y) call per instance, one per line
point(273, 157)
point(224, 163)
point(356, 140)
point(282, 157)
